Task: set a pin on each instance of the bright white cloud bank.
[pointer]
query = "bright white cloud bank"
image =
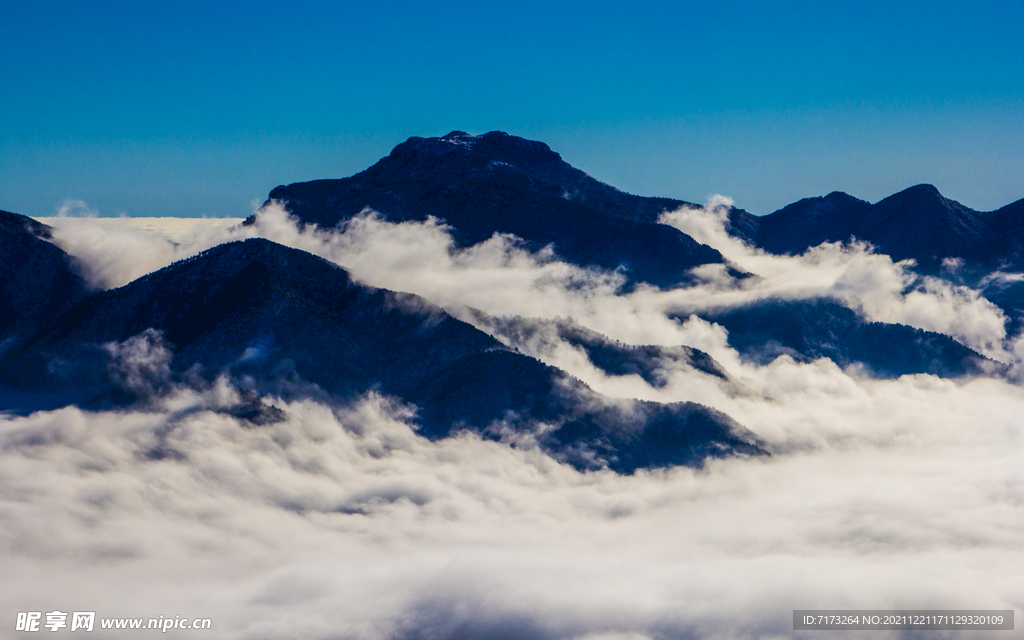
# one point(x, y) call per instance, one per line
point(343, 523)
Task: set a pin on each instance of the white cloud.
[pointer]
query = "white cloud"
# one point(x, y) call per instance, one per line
point(114, 251)
point(345, 523)
point(140, 364)
point(70, 207)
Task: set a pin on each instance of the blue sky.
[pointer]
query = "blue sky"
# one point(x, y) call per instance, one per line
point(186, 109)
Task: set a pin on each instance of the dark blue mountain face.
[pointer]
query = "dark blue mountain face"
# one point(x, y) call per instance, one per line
point(917, 223)
point(800, 225)
point(242, 308)
point(810, 329)
point(1008, 295)
point(37, 280)
point(497, 183)
point(281, 320)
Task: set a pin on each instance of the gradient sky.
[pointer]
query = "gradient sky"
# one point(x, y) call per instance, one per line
point(187, 109)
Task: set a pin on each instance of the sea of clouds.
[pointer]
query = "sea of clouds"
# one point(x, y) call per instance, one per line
point(342, 522)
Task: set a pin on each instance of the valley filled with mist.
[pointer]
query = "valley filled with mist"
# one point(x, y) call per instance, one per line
point(472, 392)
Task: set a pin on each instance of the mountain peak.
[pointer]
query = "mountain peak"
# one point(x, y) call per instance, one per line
point(922, 198)
point(479, 151)
point(480, 185)
point(842, 197)
point(254, 264)
point(459, 138)
point(924, 202)
point(17, 223)
point(917, 192)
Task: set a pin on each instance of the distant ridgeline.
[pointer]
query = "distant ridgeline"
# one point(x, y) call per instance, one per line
point(279, 321)
point(941, 235)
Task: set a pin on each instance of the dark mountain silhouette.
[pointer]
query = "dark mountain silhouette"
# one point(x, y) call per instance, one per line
point(810, 329)
point(917, 223)
point(1007, 294)
point(800, 225)
point(37, 280)
point(497, 183)
point(281, 320)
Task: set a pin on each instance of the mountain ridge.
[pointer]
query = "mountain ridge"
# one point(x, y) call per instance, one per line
point(282, 321)
point(917, 223)
point(497, 183)
point(38, 280)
